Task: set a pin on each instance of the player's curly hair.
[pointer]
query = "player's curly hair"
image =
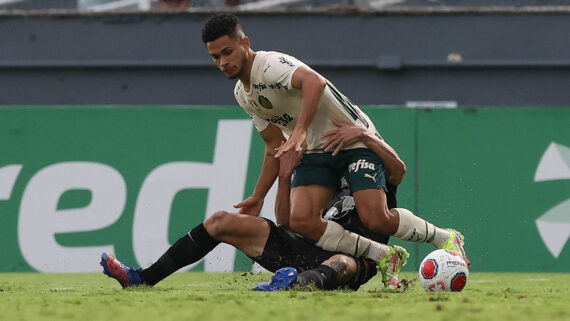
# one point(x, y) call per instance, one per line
point(220, 25)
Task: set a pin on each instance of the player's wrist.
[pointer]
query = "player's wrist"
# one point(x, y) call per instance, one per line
point(285, 174)
point(256, 196)
point(366, 137)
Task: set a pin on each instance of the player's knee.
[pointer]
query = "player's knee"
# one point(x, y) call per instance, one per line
point(305, 227)
point(298, 225)
point(218, 223)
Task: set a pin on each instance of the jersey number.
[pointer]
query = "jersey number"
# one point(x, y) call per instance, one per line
point(350, 108)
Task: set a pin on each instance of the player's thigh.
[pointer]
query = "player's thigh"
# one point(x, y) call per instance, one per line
point(317, 169)
point(371, 204)
point(373, 211)
point(245, 232)
point(308, 201)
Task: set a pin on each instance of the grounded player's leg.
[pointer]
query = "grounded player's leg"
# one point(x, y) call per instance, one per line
point(336, 272)
point(247, 233)
point(186, 250)
point(333, 273)
point(284, 248)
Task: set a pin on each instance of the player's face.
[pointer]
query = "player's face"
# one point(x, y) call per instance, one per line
point(229, 54)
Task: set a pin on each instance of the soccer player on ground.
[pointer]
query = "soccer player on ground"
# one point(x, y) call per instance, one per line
point(275, 247)
point(283, 95)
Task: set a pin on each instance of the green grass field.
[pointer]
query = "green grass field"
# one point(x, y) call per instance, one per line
point(227, 296)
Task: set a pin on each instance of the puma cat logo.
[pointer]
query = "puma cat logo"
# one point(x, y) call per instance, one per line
point(371, 177)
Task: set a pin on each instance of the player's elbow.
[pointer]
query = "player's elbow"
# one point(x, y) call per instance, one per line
point(315, 82)
point(320, 82)
point(397, 173)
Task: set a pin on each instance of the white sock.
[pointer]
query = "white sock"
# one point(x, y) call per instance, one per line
point(337, 239)
point(415, 229)
point(377, 251)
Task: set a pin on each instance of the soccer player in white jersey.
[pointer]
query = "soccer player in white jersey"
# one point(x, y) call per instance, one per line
point(283, 95)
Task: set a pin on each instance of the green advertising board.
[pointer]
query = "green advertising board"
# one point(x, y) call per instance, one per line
point(79, 180)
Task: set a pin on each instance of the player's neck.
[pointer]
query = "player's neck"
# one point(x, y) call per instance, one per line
point(245, 77)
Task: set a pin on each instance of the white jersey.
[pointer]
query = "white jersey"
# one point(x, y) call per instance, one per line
point(272, 99)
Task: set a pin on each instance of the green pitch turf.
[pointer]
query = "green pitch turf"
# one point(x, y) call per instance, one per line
point(227, 297)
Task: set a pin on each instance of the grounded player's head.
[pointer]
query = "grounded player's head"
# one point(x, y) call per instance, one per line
point(220, 25)
point(227, 45)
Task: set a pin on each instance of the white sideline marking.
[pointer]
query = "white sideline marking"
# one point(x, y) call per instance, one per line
point(61, 289)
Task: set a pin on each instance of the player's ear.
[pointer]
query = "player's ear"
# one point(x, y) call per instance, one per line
point(245, 42)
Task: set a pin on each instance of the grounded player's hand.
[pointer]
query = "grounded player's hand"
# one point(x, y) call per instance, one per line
point(344, 134)
point(250, 206)
point(287, 163)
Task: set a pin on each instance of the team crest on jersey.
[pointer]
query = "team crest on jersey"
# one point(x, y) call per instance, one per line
point(265, 103)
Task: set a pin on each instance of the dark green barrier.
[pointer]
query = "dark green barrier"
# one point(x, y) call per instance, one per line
point(78, 180)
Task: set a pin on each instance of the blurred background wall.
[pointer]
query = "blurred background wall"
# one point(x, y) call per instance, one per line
point(469, 56)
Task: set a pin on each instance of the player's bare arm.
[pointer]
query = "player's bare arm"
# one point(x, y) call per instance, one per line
point(347, 133)
point(287, 163)
point(269, 170)
point(312, 87)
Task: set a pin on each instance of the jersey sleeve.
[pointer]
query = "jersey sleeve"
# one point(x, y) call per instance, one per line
point(278, 70)
point(259, 123)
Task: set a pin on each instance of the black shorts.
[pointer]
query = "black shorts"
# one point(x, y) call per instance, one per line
point(285, 248)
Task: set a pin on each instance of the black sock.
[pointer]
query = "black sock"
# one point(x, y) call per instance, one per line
point(188, 249)
point(324, 277)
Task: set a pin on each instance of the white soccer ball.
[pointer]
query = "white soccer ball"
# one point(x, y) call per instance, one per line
point(443, 271)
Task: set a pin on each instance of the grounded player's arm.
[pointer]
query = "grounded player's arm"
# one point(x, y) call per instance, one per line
point(395, 166)
point(269, 170)
point(287, 164)
point(312, 87)
point(346, 134)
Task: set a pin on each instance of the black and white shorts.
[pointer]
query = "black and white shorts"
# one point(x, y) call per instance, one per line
point(285, 248)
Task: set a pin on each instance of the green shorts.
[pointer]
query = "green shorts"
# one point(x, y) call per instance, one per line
point(361, 167)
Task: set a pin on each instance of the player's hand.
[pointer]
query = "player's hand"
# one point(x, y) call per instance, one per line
point(343, 135)
point(294, 143)
point(288, 161)
point(250, 206)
